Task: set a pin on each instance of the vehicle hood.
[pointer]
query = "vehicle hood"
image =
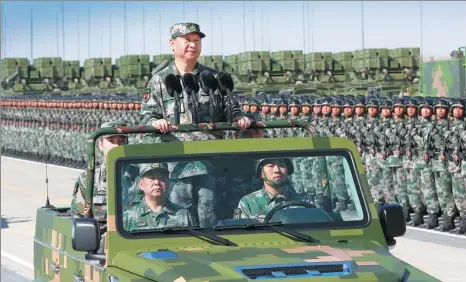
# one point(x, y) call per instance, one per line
point(362, 261)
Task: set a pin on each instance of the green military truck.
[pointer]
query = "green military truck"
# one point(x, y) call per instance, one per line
point(302, 239)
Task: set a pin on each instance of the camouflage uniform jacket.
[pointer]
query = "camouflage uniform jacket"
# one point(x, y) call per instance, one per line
point(394, 140)
point(454, 144)
point(99, 200)
point(157, 104)
point(142, 217)
point(258, 204)
point(407, 139)
point(422, 130)
point(437, 141)
point(345, 128)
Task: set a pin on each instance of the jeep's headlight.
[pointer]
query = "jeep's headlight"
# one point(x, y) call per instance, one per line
point(112, 279)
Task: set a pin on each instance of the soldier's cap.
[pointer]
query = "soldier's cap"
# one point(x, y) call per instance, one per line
point(412, 103)
point(294, 102)
point(441, 103)
point(426, 103)
point(373, 103)
point(386, 104)
point(180, 29)
point(336, 103)
point(254, 102)
point(260, 164)
point(457, 103)
point(113, 124)
point(398, 102)
point(348, 103)
point(145, 168)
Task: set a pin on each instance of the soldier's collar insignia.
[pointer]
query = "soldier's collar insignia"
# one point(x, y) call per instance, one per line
point(140, 224)
point(155, 165)
point(192, 28)
point(147, 95)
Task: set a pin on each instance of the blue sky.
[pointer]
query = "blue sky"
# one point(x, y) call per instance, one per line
point(328, 26)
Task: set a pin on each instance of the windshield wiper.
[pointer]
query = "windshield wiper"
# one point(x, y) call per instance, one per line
point(195, 232)
point(273, 227)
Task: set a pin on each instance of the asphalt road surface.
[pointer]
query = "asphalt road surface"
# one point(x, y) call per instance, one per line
point(23, 190)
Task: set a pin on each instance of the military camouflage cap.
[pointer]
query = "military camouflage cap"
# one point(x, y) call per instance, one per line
point(181, 29)
point(412, 103)
point(336, 103)
point(348, 103)
point(145, 168)
point(441, 103)
point(260, 164)
point(457, 103)
point(113, 124)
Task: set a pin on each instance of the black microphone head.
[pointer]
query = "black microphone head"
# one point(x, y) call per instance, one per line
point(225, 82)
point(208, 81)
point(190, 83)
point(173, 85)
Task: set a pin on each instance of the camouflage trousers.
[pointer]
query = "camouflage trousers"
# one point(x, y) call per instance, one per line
point(336, 174)
point(443, 185)
point(374, 177)
point(401, 187)
point(459, 192)
point(414, 189)
point(428, 190)
point(197, 194)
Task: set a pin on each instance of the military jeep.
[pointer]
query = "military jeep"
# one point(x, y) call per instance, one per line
point(326, 227)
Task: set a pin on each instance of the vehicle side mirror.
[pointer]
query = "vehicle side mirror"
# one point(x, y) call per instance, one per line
point(393, 222)
point(85, 235)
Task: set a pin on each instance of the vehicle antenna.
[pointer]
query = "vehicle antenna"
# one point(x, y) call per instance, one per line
point(47, 201)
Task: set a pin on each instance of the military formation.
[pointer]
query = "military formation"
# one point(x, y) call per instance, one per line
point(412, 147)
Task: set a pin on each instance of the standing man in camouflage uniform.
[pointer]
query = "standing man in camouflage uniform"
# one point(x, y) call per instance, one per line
point(413, 184)
point(456, 162)
point(99, 209)
point(438, 140)
point(422, 163)
point(158, 109)
point(155, 210)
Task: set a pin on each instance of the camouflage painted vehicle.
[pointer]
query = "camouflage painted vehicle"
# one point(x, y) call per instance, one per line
point(445, 78)
point(307, 243)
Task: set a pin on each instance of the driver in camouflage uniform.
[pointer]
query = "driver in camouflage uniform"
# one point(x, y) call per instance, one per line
point(276, 189)
point(155, 210)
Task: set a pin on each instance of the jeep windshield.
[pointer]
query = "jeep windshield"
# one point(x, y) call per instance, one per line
point(224, 191)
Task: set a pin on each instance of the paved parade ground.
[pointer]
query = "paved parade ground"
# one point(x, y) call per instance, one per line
point(23, 190)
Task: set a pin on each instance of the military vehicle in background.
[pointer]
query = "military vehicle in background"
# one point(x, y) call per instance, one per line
point(257, 71)
point(445, 77)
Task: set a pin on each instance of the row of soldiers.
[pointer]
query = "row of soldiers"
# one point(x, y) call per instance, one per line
point(412, 147)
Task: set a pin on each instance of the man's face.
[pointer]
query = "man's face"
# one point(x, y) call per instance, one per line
point(359, 110)
point(386, 112)
point(188, 46)
point(441, 112)
point(458, 112)
point(412, 111)
point(398, 111)
point(109, 142)
point(373, 111)
point(336, 111)
point(426, 112)
point(265, 109)
point(294, 110)
point(306, 110)
point(348, 111)
point(273, 109)
point(246, 107)
point(275, 170)
point(254, 108)
point(326, 109)
point(154, 184)
point(283, 110)
point(317, 109)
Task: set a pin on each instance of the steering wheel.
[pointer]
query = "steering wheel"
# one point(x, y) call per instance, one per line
point(288, 204)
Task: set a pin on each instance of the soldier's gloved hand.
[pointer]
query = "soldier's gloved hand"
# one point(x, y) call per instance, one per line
point(244, 123)
point(162, 125)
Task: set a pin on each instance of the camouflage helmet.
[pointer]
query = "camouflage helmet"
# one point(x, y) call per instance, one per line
point(306, 102)
point(325, 102)
point(348, 103)
point(317, 102)
point(426, 103)
point(265, 102)
point(254, 102)
point(360, 103)
point(245, 102)
point(398, 102)
point(457, 103)
point(373, 103)
point(386, 104)
point(294, 102)
point(145, 168)
point(411, 103)
point(282, 102)
point(337, 103)
point(441, 103)
point(260, 164)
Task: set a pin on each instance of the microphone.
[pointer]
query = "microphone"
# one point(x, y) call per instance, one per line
point(226, 85)
point(192, 88)
point(173, 85)
point(208, 86)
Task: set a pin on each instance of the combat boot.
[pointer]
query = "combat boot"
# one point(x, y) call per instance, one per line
point(418, 218)
point(432, 222)
point(448, 223)
point(462, 229)
point(406, 214)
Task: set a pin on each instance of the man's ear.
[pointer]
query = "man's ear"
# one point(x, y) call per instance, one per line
point(100, 144)
point(171, 43)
